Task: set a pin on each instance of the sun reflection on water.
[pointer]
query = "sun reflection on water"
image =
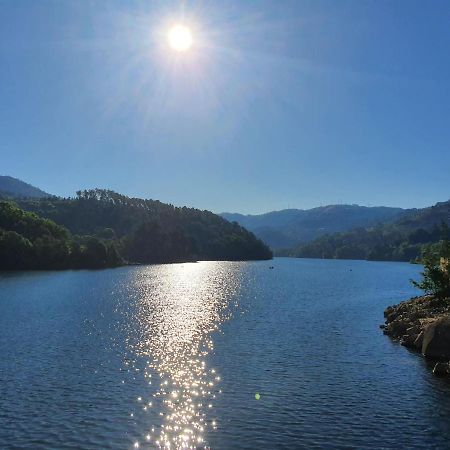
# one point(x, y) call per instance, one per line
point(179, 306)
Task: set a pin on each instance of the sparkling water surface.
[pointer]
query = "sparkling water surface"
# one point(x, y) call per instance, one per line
point(221, 355)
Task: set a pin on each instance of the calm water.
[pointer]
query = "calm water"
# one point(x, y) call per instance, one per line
point(141, 357)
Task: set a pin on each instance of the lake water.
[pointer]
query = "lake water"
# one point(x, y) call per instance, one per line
point(225, 355)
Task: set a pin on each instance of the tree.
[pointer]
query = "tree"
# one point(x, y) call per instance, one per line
point(95, 254)
point(436, 274)
point(101, 228)
point(16, 252)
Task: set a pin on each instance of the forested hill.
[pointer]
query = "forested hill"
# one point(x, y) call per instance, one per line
point(28, 241)
point(291, 227)
point(14, 188)
point(148, 231)
point(401, 240)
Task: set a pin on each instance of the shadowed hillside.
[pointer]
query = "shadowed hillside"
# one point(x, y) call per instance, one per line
point(291, 227)
point(14, 188)
point(401, 240)
point(148, 231)
point(28, 241)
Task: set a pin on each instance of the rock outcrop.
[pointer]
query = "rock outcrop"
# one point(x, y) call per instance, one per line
point(441, 369)
point(422, 324)
point(436, 339)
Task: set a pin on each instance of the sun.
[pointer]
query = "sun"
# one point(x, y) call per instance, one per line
point(180, 38)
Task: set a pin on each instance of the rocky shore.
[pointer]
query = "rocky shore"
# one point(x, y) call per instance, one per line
point(422, 324)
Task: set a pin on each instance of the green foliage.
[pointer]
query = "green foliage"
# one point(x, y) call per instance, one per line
point(436, 275)
point(108, 227)
point(28, 241)
point(15, 250)
point(403, 240)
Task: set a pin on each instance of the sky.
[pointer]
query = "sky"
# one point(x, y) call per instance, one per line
point(278, 104)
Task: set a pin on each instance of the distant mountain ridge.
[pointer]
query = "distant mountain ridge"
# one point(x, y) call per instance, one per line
point(11, 187)
point(403, 239)
point(333, 231)
point(292, 227)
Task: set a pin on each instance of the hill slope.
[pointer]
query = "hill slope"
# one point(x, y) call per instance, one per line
point(291, 227)
point(14, 188)
point(31, 242)
point(401, 240)
point(148, 231)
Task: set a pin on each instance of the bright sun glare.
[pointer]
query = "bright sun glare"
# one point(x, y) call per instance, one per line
point(180, 38)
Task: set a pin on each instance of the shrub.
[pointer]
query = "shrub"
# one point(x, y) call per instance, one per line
point(436, 274)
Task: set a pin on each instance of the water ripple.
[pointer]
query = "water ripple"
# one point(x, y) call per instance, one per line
point(145, 357)
point(178, 307)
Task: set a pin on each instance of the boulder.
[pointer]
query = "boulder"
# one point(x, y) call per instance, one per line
point(419, 341)
point(441, 369)
point(397, 328)
point(408, 340)
point(436, 339)
point(389, 311)
point(392, 316)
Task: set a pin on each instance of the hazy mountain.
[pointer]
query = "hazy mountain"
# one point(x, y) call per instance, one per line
point(14, 188)
point(399, 240)
point(291, 227)
point(425, 218)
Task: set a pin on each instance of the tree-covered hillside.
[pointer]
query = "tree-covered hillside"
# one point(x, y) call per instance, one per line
point(402, 240)
point(31, 242)
point(291, 227)
point(148, 231)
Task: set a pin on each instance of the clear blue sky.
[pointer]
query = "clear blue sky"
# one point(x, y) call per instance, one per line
point(278, 103)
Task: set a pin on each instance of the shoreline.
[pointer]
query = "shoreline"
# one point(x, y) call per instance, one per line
point(422, 324)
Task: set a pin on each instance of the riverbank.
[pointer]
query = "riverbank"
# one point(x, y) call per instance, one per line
point(422, 324)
